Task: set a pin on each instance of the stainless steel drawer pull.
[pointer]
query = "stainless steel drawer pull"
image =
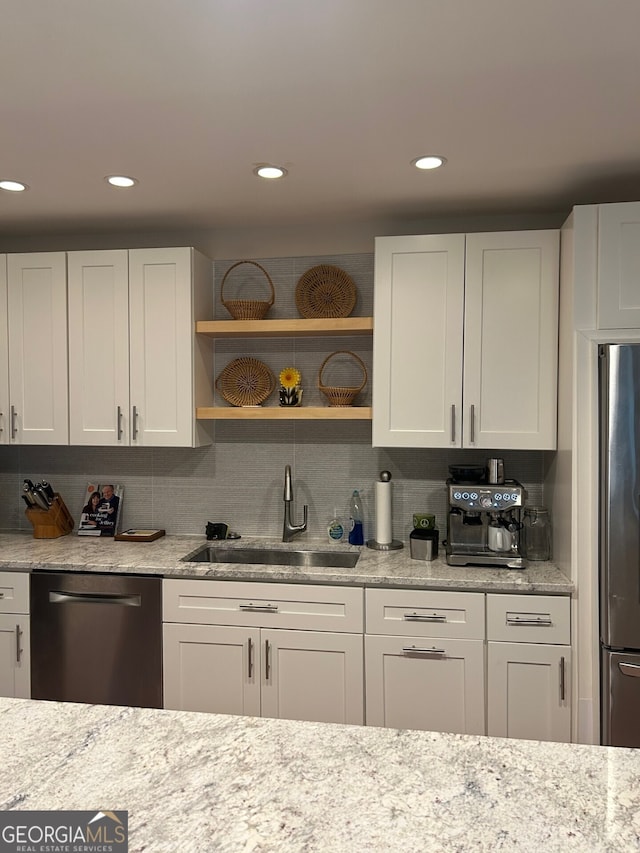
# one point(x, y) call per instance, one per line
point(267, 661)
point(416, 650)
point(94, 598)
point(134, 423)
point(250, 656)
point(562, 679)
point(119, 420)
point(425, 617)
point(632, 669)
point(13, 426)
point(517, 620)
point(259, 608)
point(18, 649)
point(453, 422)
point(473, 423)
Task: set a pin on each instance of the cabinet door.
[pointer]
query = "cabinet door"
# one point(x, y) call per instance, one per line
point(4, 354)
point(417, 341)
point(98, 285)
point(529, 691)
point(511, 340)
point(211, 668)
point(619, 266)
point(15, 674)
point(312, 675)
point(161, 345)
point(430, 684)
point(38, 374)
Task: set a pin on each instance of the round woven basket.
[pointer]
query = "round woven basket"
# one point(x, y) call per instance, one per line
point(245, 382)
point(340, 395)
point(325, 291)
point(247, 309)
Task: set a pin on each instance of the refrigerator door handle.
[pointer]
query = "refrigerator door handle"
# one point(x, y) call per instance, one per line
point(632, 669)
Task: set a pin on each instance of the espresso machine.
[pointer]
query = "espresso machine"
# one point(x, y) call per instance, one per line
point(484, 519)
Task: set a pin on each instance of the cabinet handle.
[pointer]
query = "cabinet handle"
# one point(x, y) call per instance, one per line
point(473, 423)
point(250, 655)
point(416, 650)
point(134, 423)
point(425, 617)
point(543, 621)
point(259, 608)
point(267, 661)
point(13, 427)
point(453, 422)
point(631, 669)
point(1, 416)
point(562, 679)
point(119, 418)
point(18, 649)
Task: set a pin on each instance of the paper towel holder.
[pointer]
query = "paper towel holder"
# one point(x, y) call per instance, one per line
point(395, 544)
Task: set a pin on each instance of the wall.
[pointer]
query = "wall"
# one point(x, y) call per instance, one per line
point(239, 478)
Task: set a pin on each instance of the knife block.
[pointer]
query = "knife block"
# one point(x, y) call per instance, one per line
point(50, 523)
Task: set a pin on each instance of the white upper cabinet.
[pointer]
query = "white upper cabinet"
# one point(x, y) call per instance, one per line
point(465, 341)
point(511, 340)
point(417, 341)
point(4, 354)
point(37, 335)
point(619, 266)
point(135, 374)
point(99, 347)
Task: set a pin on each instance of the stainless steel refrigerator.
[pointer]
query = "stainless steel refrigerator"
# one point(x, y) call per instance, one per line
point(620, 543)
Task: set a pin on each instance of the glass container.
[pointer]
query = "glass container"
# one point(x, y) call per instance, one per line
point(537, 533)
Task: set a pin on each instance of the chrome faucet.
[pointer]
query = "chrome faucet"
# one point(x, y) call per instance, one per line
point(289, 530)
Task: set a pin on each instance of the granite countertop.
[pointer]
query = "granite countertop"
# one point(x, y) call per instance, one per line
point(374, 568)
point(204, 782)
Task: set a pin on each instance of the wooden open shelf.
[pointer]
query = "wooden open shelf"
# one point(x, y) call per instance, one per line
point(284, 413)
point(285, 328)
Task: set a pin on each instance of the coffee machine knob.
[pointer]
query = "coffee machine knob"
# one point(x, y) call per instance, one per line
point(486, 501)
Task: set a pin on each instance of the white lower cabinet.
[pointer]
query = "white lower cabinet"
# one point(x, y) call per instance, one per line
point(15, 645)
point(529, 683)
point(247, 667)
point(424, 660)
point(425, 683)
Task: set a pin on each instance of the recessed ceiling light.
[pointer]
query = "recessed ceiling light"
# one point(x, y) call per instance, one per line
point(120, 181)
point(13, 186)
point(429, 161)
point(270, 172)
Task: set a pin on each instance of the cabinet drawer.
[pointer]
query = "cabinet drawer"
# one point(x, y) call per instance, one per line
point(424, 613)
point(529, 618)
point(264, 605)
point(14, 592)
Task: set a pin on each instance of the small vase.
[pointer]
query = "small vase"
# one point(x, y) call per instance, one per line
point(291, 396)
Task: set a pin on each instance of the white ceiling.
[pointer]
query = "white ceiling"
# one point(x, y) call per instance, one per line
point(535, 104)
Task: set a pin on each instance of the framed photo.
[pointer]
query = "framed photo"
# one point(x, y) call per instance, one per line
point(101, 510)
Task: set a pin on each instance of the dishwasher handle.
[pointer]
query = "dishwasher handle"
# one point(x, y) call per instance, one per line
point(95, 598)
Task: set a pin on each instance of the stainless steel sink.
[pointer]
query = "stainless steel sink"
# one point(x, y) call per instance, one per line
point(272, 557)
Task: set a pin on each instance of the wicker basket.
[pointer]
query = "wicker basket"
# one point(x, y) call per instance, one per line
point(341, 395)
point(325, 291)
point(245, 382)
point(247, 309)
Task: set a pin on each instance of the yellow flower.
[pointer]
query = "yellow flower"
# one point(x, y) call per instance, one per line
point(289, 377)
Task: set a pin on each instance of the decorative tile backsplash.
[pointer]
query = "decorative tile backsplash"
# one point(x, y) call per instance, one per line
point(239, 479)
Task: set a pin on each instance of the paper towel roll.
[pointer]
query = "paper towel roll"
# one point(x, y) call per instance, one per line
point(383, 513)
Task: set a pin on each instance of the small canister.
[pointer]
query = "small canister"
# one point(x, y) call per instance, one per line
point(424, 544)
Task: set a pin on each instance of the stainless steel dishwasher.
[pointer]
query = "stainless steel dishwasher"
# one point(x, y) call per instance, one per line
point(96, 638)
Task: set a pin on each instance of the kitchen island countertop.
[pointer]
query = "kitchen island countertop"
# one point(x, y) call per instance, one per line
point(204, 782)
point(20, 551)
